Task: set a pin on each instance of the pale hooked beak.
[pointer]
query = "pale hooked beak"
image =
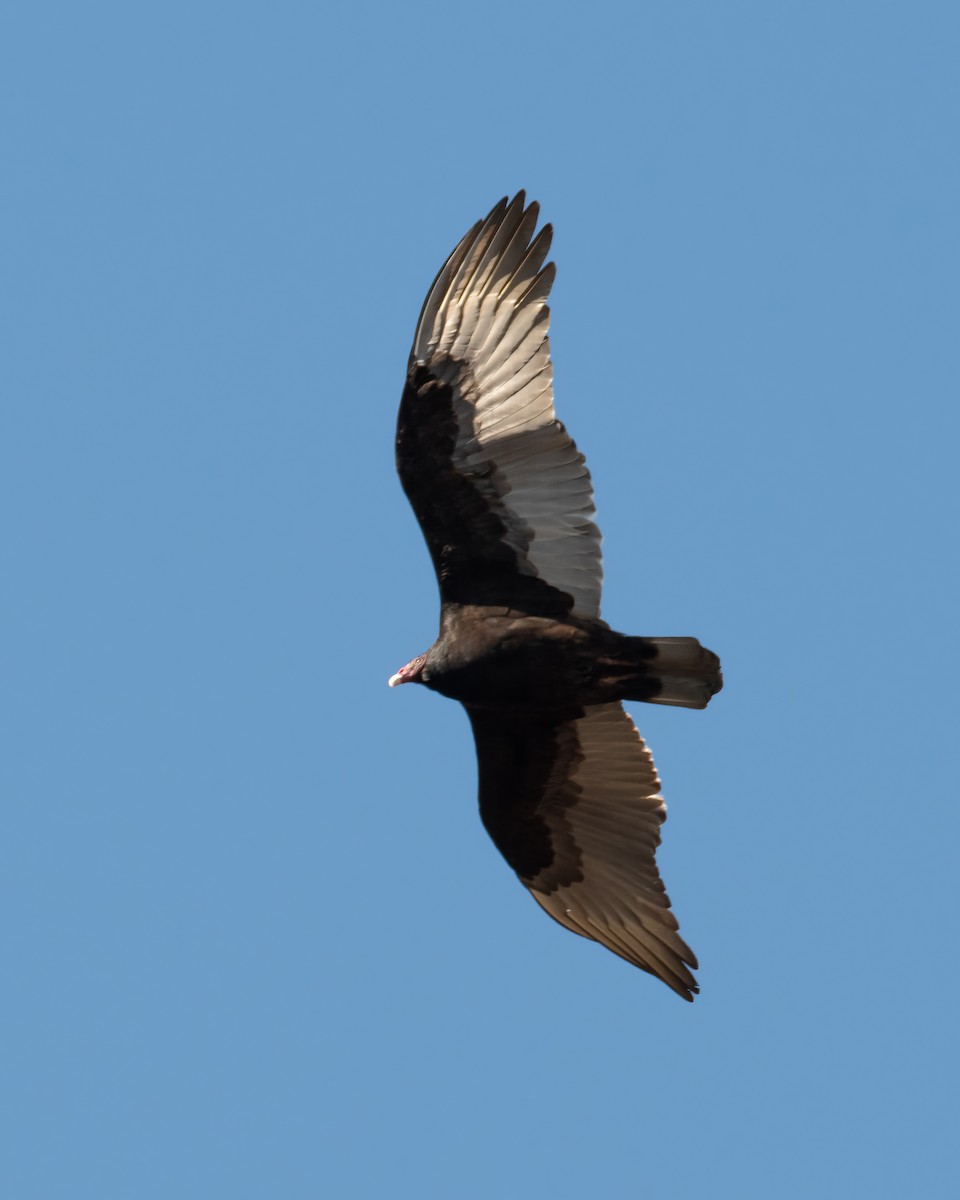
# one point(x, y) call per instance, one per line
point(410, 673)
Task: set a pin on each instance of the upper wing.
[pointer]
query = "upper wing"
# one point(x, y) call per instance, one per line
point(501, 492)
point(574, 806)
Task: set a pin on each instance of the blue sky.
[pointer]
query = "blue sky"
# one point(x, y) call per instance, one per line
point(256, 941)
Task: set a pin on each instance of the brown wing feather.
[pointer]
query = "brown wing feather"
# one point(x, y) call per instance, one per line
point(501, 492)
point(573, 803)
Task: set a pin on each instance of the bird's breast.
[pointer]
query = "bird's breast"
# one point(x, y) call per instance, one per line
point(511, 661)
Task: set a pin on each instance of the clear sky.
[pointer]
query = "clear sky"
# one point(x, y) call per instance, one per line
point(255, 940)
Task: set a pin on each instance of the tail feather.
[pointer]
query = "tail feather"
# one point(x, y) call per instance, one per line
point(670, 670)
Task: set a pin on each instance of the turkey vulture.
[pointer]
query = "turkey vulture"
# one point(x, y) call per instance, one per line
point(568, 790)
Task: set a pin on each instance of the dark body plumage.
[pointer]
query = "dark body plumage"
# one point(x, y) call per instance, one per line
point(568, 791)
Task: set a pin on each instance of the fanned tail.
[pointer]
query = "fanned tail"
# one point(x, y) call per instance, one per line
point(667, 670)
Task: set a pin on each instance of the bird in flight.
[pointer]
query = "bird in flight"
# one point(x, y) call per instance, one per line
point(568, 790)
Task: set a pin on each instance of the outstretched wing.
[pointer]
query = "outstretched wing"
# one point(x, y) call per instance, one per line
point(500, 490)
point(574, 806)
